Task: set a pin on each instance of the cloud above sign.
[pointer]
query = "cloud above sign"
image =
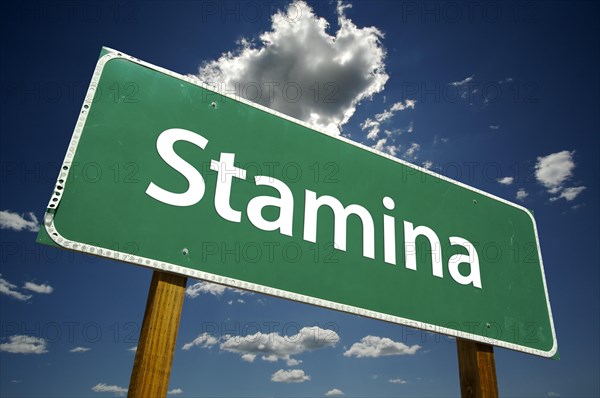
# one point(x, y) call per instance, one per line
point(554, 171)
point(301, 70)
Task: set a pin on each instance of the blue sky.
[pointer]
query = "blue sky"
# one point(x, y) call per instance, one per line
point(501, 96)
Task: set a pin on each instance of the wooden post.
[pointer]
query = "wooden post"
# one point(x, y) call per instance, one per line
point(156, 346)
point(477, 370)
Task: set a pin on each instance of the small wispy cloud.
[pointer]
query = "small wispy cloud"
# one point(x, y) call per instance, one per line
point(175, 391)
point(569, 194)
point(506, 180)
point(382, 146)
point(463, 81)
point(373, 126)
point(41, 289)
point(411, 152)
point(11, 290)
point(437, 139)
point(102, 387)
point(335, 392)
point(213, 289)
point(398, 381)
point(522, 194)
point(19, 222)
point(204, 340)
point(494, 127)
point(79, 349)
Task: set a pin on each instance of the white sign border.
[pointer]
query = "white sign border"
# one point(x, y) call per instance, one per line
point(238, 284)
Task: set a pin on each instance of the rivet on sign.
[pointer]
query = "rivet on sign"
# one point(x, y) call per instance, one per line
point(213, 105)
point(185, 251)
point(474, 201)
point(488, 325)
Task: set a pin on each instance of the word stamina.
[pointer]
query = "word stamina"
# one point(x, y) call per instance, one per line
point(285, 202)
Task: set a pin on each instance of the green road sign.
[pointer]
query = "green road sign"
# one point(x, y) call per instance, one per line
point(164, 172)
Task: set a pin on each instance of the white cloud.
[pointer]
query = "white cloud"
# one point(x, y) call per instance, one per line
point(21, 344)
point(428, 164)
point(462, 82)
point(80, 349)
point(9, 289)
point(17, 222)
point(293, 362)
point(553, 394)
point(41, 289)
point(132, 349)
point(397, 381)
point(335, 392)
point(495, 127)
point(398, 106)
point(204, 340)
point(569, 194)
point(374, 347)
point(411, 152)
point(271, 347)
point(466, 90)
point(522, 194)
point(199, 288)
point(196, 289)
point(301, 70)
point(248, 357)
point(554, 170)
point(101, 387)
point(175, 391)
point(389, 149)
point(437, 139)
point(374, 126)
point(289, 376)
point(506, 180)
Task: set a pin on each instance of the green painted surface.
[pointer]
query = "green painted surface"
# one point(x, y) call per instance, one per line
point(104, 203)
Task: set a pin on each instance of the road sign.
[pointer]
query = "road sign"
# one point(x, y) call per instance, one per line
point(164, 172)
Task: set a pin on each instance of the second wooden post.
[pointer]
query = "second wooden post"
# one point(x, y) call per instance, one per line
point(477, 370)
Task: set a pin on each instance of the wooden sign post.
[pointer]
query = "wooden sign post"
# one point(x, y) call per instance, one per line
point(477, 370)
point(156, 346)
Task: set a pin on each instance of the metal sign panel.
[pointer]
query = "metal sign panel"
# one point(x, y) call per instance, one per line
point(164, 172)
